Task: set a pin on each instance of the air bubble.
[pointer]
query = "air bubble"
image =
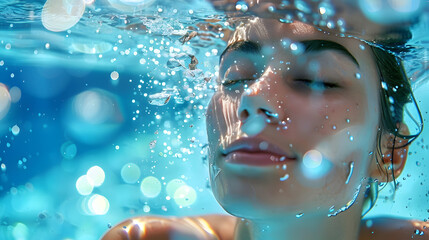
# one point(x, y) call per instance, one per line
point(114, 75)
point(15, 130)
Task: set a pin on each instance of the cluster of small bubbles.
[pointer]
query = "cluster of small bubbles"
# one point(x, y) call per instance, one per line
point(241, 6)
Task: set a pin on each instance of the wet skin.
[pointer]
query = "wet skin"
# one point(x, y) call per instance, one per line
point(321, 105)
point(326, 109)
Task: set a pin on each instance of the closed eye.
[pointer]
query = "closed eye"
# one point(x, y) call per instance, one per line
point(229, 82)
point(317, 85)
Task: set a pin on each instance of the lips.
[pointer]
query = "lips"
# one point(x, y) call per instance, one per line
point(255, 152)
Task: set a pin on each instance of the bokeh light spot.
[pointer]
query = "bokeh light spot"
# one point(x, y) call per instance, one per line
point(15, 94)
point(185, 196)
point(312, 159)
point(96, 174)
point(150, 187)
point(173, 185)
point(130, 173)
point(98, 204)
point(68, 150)
point(20, 231)
point(5, 100)
point(84, 185)
point(59, 16)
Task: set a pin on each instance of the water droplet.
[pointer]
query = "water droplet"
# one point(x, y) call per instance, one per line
point(357, 75)
point(297, 48)
point(285, 177)
point(347, 120)
point(299, 215)
point(362, 47)
point(351, 138)
point(263, 145)
point(351, 167)
point(334, 127)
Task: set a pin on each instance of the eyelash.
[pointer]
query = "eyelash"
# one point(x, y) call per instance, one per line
point(307, 82)
point(312, 84)
point(230, 82)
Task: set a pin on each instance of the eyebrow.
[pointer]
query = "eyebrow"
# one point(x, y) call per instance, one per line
point(316, 45)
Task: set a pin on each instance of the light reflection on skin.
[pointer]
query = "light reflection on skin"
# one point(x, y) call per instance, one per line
point(353, 108)
point(286, 209)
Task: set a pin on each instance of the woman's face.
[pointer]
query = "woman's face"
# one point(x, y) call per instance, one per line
point(292, 128)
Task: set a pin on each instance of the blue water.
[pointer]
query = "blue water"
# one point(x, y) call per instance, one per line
point(85, 98)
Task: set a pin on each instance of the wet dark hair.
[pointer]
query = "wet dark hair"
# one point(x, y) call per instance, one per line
point(395, 92)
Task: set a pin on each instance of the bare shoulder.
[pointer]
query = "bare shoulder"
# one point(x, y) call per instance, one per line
point(161, 227)
point(382, 228)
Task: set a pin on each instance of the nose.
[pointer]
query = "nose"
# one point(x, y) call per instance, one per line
point(256, 101)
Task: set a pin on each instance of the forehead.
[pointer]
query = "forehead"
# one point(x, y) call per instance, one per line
point(271, 31)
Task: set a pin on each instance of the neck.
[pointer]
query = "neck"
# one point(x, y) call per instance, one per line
point(343, 226)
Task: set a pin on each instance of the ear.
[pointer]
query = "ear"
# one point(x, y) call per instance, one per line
point(391, 167)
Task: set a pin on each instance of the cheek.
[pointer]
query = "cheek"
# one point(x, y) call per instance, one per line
point(222, 121)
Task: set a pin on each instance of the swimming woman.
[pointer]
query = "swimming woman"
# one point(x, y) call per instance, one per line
point(302, 127)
